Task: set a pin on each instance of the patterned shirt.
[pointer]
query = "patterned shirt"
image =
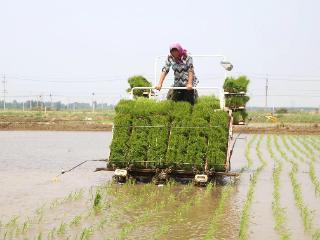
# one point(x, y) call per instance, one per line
point(181, 70)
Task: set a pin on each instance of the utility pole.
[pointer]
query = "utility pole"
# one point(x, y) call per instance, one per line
point(267, 88)
point(93, 102)
point(4, 91)
point(51, 106)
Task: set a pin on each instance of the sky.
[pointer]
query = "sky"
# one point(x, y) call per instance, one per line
point(73, 48)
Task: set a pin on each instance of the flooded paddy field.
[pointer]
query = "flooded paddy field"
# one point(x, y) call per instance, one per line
point(276, 196)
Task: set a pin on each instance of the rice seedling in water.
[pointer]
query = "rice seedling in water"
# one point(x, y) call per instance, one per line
point(180, 213)
point(294, 153)
point(86, 233)
point(74, 196)
point(279, 213)
point(39, 237)
point(305, 213)
point(315, 144)
point(216, 219)
point(11, 227)
point(51, 234)
point(62, 229)
point(149, 212)
point(244, 221)
point(97, 206)
point(316, 235)
point(314, 179)
point(308, 151)
point(247, 151)
point(299, 148)
point(75, 221)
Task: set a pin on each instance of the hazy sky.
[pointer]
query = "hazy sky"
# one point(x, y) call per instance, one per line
point(72, 48)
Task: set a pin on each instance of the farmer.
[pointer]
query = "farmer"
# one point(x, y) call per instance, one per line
point(184, 76)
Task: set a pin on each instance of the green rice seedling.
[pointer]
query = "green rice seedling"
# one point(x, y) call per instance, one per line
point(216, 219)
point(39, 214)
point(314, 178)
point(158, 140)
point(244, 221)
point(97, 199)
point(290, 149)
point(120, 142)
point(157, 205)
point(102, 223)
point(159, 133)
point(141, 123)
point(204, 106)
point(51, 234)
point(62, 229)
point(299, 148)
point(39, 237)
point(198, 143)
point(316, 235)
point(312, 174)
point(138, 81)
point(74, 196)
point(198, 139)
point(124, 106)
point(121, 132)
point(235, 85)
point(236, 101)
point(217, 140)
point(11, 227)
point(26, 226)
point(247, 151)
point(169, 134)
point(305, 213)
point(314, 143)
point(279, 213)
point(306, 146)
point(86, 233)
point(179, 134)
point(75, 221)
point(239, 115)
point(13, 222)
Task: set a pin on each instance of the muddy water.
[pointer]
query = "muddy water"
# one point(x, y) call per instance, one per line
point(29, 161)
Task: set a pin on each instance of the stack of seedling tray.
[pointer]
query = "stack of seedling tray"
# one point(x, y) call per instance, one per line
point(235, 90)
point(150, 134)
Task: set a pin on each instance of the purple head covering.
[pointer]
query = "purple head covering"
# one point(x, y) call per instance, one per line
point(182, 51)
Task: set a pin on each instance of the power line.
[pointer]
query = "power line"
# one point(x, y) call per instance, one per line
point(266, 103)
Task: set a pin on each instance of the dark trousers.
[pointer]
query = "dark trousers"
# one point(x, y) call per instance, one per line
point(183, 95)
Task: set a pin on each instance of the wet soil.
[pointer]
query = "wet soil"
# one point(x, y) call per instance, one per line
point(30, 161)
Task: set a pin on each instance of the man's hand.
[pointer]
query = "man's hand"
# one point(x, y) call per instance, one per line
point(189, 86)
point(158, 87)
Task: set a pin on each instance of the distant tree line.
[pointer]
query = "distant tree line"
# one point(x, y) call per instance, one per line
point(58, 106)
